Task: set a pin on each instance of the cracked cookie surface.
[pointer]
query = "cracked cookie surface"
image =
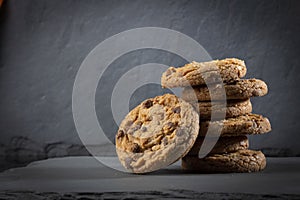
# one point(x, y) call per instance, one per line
point(232, 108)
point(199, 73)
point(156, 133)
point(239, 161)
point(249, 124)
point(223, 145)
point(240, 89)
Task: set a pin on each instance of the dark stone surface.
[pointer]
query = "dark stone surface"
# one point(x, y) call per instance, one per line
point(22, 151)
point(88, 174)
point(44, 42)
point(172, 194)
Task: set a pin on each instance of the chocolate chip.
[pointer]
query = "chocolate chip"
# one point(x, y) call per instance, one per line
point(144, 129)
point(149, 118)
point(135, 128)
point(177, 110)
point(180, 132)
point(139, 123)
point(171, 125)
point(148, 104)
point(120, 134)
point(135, 148)
point(129, 123)
point(164, 141)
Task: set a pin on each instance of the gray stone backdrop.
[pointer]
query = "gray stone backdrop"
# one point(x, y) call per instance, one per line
point(44, 42)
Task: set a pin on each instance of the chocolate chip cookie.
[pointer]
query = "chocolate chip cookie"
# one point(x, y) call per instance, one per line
point(156, 133)
point(233, 108)
point(196, 73)
point(249, 124)
point(239, 161)
point(239, 89)
point(224, 145)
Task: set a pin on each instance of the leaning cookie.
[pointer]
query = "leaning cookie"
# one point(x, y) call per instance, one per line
point(233, 108)
point(249, 124)
point(156, 133)
point(223, 145)
point(196, 73)
point(240, 89)
point(240, 161)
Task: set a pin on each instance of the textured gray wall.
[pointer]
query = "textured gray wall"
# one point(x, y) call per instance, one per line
point(44, 42)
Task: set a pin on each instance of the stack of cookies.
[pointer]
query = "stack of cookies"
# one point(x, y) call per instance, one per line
point(202, 83)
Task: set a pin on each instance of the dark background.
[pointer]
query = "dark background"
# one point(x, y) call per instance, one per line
point(44, 42)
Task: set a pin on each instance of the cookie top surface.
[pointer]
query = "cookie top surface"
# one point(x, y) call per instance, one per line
point(156, 133)
point(199, 73)
point(239, 89)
